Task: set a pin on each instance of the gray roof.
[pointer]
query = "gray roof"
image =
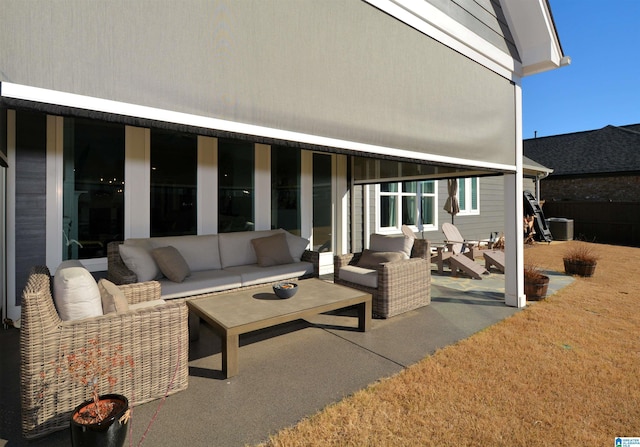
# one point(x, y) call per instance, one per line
point(612, 149)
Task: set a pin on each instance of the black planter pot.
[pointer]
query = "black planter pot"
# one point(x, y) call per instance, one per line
point(111, 432)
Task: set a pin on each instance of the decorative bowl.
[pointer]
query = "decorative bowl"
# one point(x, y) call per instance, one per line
point(285, 290)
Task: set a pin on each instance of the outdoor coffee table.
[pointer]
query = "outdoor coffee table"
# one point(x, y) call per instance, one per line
point(235, 313)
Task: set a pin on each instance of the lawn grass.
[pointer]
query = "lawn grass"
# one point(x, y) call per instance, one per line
point(564, 371)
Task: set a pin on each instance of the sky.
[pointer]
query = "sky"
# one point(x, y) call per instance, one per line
point(602, 84)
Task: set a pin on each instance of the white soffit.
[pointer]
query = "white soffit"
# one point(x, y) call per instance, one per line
point(36, 94)
point(535, 35)
point(434, 23)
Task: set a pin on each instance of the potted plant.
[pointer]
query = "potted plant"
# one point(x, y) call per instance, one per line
point(580, 260)
point(535, 283)
point(101, 420)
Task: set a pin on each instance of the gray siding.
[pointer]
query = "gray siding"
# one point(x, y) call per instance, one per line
point(490, 219)
point(30, 221)
point(484, 17)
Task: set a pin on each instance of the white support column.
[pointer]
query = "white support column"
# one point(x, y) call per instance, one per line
point(207, 185)
point(55, 191)
point(513, 214)
point(12, 311)
point(137, 182)
point(262, 187)
point(514, 260)
point(342, 204)
point(306, 194)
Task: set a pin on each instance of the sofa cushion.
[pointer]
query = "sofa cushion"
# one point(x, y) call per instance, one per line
point(372, 259)
point(75, 292)
point(113, 299)
point(359, 275)
point(203, 281)
point(381, 242)
point(272, 250)
point(236, 248)
point(200, 252)
point(171, 263)
point(297, 245)
point(138, 259)
point(254, 274)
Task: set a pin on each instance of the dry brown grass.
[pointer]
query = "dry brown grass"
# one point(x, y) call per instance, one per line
point(564, 371)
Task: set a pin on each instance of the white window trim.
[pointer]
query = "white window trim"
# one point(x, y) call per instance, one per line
point(468, 197)
point(398, 228)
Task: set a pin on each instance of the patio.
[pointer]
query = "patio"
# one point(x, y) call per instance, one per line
point(285, 378)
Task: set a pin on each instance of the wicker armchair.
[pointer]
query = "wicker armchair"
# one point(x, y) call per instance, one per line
point(156, 337)
point(401, 285)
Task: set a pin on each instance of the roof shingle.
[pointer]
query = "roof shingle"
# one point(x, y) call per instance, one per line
point(612, 149)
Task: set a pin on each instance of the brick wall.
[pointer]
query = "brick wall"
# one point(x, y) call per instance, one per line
point(614, 188)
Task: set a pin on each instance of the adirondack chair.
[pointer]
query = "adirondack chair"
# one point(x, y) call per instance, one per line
point(459, 253)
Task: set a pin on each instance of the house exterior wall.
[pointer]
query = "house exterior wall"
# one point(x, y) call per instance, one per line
point(480, 226)
point(483, 17)
point(616, 188)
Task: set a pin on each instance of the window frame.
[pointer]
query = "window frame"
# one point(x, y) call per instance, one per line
point(468, 199)
point(399, 194)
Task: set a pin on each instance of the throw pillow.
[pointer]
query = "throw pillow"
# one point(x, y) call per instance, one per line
point(75, 293)
point(380, 242)
point(272, 250)
point(372, 259)
point(297, 245)
point(171, 263)
point(113, 299)
point(139, 261)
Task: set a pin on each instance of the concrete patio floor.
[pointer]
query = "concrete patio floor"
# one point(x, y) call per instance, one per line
point(289, 371)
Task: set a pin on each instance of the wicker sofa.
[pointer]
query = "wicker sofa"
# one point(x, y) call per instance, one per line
point(217, 262)
point(155, 337)
point(400, 285)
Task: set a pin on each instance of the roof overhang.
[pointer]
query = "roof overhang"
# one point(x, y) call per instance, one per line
point(535, 34)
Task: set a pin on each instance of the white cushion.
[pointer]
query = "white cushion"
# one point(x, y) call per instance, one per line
point(359, 275)
point(204, 281)
point(138, 259)
point(380, 242)
point(75, 292)
point(254, 274)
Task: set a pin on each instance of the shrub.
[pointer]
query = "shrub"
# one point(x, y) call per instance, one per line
point(533, 272)
point(581, 253)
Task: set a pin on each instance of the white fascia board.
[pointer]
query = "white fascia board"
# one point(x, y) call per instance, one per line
point(535, 35)
point(434, 23)
point(36, 94)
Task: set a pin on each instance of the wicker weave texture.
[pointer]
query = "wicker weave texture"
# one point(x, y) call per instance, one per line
point(156, 338)
point(402, 285)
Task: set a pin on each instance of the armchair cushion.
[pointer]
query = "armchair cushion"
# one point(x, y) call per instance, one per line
point(358, 275)
point(113, 299)
point(372, 259)
point(171, 263)
point(272, 250)
point(381, 242)
point(75, 291)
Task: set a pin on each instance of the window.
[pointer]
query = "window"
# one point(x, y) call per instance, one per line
point(406, 203)
point(174, 163)
point(93, 187)
point(236, 161)
point(285, 189)
point(468, 196)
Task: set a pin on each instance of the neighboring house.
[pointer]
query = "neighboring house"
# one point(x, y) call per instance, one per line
point(132, 119)
point(595, 181)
